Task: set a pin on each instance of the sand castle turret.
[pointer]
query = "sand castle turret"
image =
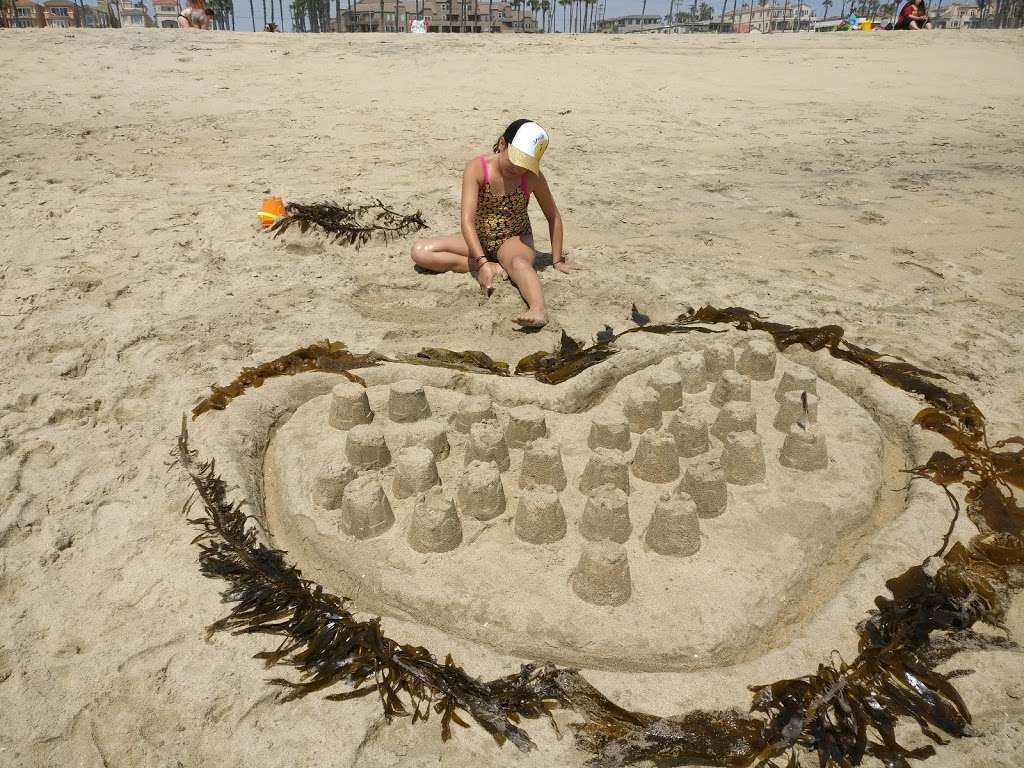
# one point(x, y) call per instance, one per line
point(487, 443)
point(407, 401)
point(796, 406)
point(540, 518)
point(365, 510)
point(542, 465)
point(415, 472)
point(609, 429)
point(656, 459)
point(473, 409)
point(735, 416)
point(804, 449)
point(329, 485)
point(430, 434)
point(643, 410)
point(526, 423)
point(674, 529)
point(481, 494)
point(606, 515)
point(690, 431)
point(693, 374)
point(349, 406)
point(743, 458)
point(602, 574)
point(718, 358)
point(605, 467)
point(757, 361)
point(435, 526)
point(731, 385)
point(365, 447)
point(705, 484)
point(801, 380)
point(669, 386)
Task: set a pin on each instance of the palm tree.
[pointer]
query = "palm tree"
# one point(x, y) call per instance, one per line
point(826, 4)
point(535, 6)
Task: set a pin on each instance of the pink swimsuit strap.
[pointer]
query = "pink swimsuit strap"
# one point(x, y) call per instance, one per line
point(524, 186)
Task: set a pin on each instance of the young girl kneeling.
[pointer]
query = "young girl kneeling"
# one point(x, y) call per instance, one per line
point(496, 238)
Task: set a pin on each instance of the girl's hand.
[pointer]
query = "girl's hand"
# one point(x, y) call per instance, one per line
point(562, 266)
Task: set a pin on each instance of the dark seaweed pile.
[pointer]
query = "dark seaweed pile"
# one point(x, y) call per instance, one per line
point(840, 713)
point(353, 225)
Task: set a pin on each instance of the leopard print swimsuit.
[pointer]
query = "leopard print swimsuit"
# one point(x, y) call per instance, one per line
point(501, 217)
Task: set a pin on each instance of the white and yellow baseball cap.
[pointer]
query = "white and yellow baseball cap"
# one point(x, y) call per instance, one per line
point(527, 146)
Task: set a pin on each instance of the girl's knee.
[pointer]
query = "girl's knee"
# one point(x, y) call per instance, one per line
point(419, 252)
point(519, 261)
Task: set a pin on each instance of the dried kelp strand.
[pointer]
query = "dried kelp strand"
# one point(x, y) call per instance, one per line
point(329, 356)
point(638, 317)
point(470, 360)
point(351, 225)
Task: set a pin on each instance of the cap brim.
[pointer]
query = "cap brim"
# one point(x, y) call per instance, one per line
point(523, 160)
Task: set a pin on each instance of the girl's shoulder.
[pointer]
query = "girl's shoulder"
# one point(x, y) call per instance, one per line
point(475, 169)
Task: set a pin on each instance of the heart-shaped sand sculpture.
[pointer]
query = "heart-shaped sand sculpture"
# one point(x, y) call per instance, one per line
point(681, 509)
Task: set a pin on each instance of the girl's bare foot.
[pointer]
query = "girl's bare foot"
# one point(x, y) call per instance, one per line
point(486, 274)
point(532, 318)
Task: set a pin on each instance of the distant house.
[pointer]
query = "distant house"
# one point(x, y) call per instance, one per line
point(94, 18)
point(618, 25)
point(770, 18)
point(28, 14)
point(165, 12)
point(957, 17)
point(61, 14)
point(439, 15)
point(135, 16)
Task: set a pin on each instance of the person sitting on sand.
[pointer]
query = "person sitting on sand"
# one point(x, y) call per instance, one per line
point(912, 16)
point(496, 238)
point(195, 16)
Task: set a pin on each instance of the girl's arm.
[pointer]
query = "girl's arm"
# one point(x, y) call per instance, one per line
point(472, 177)
point(547, 205)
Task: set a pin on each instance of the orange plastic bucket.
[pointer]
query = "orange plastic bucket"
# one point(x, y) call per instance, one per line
point(271, 210)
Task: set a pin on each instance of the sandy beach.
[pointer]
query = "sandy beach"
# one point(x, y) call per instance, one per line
point(867, 180)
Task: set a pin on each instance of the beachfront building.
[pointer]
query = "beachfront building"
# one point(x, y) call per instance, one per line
point(94, 17)
point(104, 7)
point(165, 13)
point(61, 14)
point(618, 25)
point(770, 18)
point(135, 15)
point(440, 16)
point(957, 17)
point(28, 14)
